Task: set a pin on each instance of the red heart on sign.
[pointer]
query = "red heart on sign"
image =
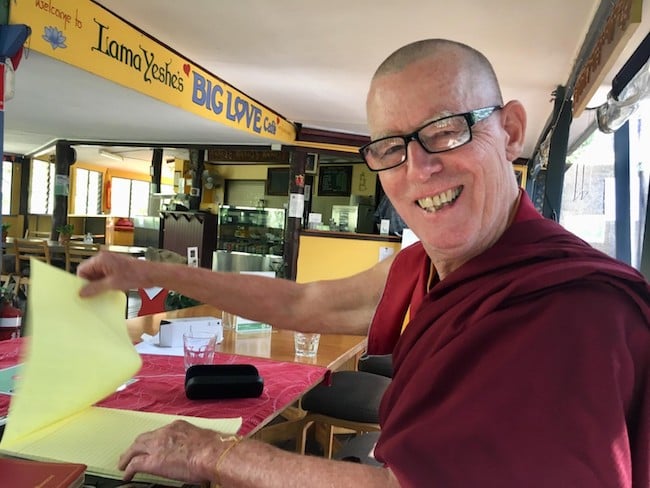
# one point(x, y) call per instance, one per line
point(186, 69)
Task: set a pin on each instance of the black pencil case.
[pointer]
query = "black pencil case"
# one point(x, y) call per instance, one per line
point(206, 381)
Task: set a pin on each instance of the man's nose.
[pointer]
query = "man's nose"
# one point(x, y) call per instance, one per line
point(420, 162)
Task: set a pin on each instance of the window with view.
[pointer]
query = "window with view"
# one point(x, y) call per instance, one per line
point(88, 192)
point(639, 178)
point(41, 188)
point(129, 197)
point(7, 174)
point(589, 197)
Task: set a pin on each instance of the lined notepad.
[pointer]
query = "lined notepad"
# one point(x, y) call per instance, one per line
point(97, 436)
point(79, 353)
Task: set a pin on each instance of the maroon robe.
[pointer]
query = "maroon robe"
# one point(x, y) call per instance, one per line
point(406, 287)
point(527, 366)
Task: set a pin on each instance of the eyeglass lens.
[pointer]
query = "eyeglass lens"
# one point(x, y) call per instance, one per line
point(440, 135)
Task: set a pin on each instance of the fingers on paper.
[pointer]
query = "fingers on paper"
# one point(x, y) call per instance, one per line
point(137, 464)
point(137, 457)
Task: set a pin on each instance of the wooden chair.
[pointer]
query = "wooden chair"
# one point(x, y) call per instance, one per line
point(349, 403)
point(76, 252)
point(360, 449)
point(25, 249)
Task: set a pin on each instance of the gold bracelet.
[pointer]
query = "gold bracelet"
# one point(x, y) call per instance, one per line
point(237, 440)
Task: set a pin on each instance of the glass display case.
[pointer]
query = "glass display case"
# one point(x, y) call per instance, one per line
point(251, 230)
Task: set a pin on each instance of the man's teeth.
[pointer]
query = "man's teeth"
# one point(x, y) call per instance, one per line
point(436, 202)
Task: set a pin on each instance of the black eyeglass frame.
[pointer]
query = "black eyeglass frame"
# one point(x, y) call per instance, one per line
point(472, 118)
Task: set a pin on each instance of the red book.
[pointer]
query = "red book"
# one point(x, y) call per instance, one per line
point(20, 473)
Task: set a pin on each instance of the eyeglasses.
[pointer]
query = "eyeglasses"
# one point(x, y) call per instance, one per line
point(440, 135)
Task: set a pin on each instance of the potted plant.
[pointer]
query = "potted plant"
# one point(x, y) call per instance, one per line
point(5, 231)
point(65, 231)
point(176, 301)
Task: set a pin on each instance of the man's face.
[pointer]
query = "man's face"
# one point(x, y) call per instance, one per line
point(477, 177)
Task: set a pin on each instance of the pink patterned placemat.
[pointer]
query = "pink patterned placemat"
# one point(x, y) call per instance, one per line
point(160, 388)
point(9, 356)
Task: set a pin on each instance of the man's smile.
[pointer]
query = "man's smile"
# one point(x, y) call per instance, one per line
point(440, 200)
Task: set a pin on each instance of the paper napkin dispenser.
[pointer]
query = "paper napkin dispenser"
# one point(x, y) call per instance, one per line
point(172, 330)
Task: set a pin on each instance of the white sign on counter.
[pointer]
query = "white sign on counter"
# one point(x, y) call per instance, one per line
point(385, 252)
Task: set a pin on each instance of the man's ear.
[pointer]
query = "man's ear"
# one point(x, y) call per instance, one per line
point(513, 118)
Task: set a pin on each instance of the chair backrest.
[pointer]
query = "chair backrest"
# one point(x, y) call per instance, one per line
point(378, 364)
point(38, 234)
point(76, 252)
point(30, 248)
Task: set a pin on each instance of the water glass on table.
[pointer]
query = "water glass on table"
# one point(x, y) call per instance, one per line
point(198, 347)
point(306, 344)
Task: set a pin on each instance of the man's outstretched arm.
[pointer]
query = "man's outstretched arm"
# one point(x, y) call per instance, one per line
point(343, 306)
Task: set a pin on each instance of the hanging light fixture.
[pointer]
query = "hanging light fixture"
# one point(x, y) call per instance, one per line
point(612, 114)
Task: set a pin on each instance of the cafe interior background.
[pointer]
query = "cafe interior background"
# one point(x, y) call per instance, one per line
point(225, 125)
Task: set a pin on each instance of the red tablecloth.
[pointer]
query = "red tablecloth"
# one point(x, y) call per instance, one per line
point(160, 387)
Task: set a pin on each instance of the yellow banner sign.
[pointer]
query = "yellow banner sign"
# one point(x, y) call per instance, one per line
point(85, 35)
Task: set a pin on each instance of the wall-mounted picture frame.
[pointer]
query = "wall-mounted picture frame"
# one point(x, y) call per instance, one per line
point(311, 164)
point(334, 181)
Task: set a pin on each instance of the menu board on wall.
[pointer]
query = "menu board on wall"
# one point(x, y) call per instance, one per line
point(334, 181)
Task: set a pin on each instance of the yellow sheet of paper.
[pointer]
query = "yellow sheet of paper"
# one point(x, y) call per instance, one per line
point(79, 353)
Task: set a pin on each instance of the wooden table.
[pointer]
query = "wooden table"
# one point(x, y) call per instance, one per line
point(335, 352)
point(57, 248)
